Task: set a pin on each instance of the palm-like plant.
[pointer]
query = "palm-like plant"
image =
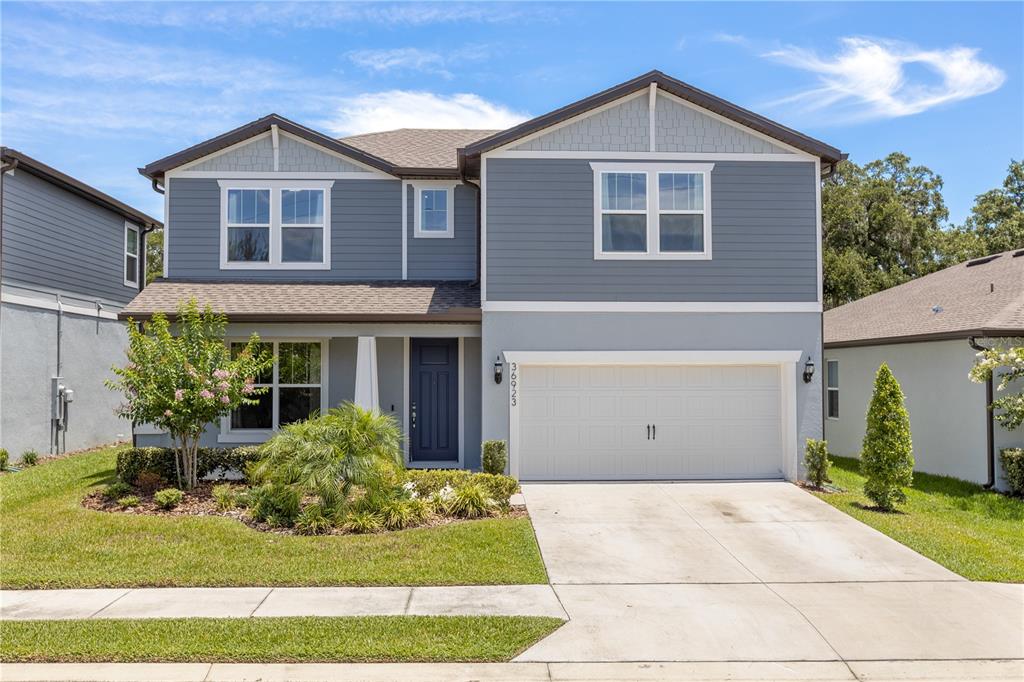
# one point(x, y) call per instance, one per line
point(329, 454)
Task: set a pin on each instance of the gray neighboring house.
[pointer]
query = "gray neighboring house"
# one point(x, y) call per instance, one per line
point(927, 331)
point(628, 287)
point(71, 257)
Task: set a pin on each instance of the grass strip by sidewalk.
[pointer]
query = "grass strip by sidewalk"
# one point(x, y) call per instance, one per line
point(48, 540)
point(274, 640)
point(974, 532)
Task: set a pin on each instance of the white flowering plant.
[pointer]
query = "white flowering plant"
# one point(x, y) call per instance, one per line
point(180, 382)
point(1008, 363)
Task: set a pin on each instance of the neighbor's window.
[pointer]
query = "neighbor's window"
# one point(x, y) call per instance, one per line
point(302, 225)
point(434, 210)
point(131, 255)
point(249, 225)
point(652, 211)
point(294, 383)
point(832, 388)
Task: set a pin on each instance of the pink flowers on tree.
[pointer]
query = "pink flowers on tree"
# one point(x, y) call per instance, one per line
point(182, 383)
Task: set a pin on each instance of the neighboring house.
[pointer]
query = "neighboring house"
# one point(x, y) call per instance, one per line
point(71, 257)
point(626, 288)
point(926, 330)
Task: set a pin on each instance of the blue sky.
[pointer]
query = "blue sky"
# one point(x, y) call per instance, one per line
point(99, 89)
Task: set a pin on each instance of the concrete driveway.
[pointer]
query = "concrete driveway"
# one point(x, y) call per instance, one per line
point(757, 571)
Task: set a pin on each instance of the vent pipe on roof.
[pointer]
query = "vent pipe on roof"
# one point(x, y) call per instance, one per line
point(989, 425)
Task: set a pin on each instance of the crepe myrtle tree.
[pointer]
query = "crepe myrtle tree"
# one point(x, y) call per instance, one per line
point(1010, 360)
point(182, 381)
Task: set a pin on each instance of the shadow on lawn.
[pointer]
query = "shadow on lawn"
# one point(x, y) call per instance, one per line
point(104, 477)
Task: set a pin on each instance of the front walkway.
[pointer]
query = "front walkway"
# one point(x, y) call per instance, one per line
point(754, 571)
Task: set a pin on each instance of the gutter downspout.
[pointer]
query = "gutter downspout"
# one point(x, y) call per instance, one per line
point(989, 426)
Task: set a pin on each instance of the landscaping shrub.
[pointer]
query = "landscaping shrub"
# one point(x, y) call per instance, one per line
point(495, 456)
point(428, 482)
point(276, 504)
point(117, 490)
point(128, 501)
point(5, 459)
point(1012, 460)
point(469, 501)
point(29, 458)
point(225, 496)
point(133, 461)
point(313, 520)
point(168, 498)
point(150, 481)
point(362, 522)
point(817, 462)
point(401, 513)
point(887, 460)
point(499, 487)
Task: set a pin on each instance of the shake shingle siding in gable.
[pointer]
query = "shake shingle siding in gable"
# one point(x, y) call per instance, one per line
point(453, 258)
point(366, 237)
point(540, 238)
point(56, 241)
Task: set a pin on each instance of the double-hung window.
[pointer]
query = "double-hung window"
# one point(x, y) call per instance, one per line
point(655, 211)
point(132, 246)
point(434, 209)
point(295, 389)
point(276, 224)
point(832, 388)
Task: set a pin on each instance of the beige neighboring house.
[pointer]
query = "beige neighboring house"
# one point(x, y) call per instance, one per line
point(924, 330)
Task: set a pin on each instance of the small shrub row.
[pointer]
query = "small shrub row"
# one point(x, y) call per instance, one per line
point(428, 483)
point(1012, 460)
point(133, 462)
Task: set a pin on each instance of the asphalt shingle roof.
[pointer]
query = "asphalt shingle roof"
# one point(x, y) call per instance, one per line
point(377, 301)
point(982, 299)
point(417, 147)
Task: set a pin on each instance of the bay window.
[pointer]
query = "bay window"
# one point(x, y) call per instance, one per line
point(275, 225)
point(652, 211)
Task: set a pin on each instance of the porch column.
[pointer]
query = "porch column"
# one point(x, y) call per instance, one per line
point(366, 395)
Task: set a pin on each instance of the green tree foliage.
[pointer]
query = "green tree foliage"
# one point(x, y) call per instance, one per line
point(154, 255)
point(996, 222)
point(180, 383)
point(1010, 362)
point(887, 459)
point(881, 226)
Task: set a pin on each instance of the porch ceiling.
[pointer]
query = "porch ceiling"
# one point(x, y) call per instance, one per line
point(376, 301)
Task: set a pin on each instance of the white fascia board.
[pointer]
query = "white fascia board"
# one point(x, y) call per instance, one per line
point(313, 330)
point(55, 305)
point(651, 307)
point(283, 175)
point(655, 357)
point(650, 156)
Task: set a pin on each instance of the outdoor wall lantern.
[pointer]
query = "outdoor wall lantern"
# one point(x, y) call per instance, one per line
point(497, 370)
point(808, 370)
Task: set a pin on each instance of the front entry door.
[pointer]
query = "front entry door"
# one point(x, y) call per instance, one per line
point(434, 400)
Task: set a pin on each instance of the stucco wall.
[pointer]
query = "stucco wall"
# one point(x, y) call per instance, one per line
point(28, 361)
point(947, 410)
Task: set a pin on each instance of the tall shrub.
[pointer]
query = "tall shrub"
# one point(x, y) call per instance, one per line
point(494, 457)
point(887, 459)
point(181, 382)
point(817, 462)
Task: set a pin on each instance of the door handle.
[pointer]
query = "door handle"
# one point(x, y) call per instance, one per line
point(648, 432)
point(412, 416)
point(654, 431)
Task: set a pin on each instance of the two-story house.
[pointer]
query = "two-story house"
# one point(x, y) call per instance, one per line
point(628, 287)
point(71, 257)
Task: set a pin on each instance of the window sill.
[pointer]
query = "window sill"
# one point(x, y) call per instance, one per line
point(434, 235)
point(275, 266)
point(601, 255)
point(243, 436)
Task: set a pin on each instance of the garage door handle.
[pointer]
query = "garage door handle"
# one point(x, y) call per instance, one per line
point(648, 432)
point(654, 430)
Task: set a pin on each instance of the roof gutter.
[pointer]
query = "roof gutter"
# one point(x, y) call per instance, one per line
point(989, 425)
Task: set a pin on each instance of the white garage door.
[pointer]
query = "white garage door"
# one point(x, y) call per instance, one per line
point(618, 422)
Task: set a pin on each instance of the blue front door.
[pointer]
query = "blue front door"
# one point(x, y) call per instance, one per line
point(434, 400)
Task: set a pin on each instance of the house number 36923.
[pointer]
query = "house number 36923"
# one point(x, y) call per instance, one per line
point(513, 382)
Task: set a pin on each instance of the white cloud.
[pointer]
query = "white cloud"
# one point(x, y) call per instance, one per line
point(869, 78)
point(729, 38)
point(371, 112)
point(416, 59)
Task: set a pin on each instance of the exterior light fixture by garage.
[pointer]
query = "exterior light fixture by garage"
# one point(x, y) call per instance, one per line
point(497, 370)
point(808, 370)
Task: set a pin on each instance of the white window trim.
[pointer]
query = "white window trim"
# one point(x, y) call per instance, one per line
point(131, 227)
point(229, 435)
point(275, 187)
point(418, 232)
point(829, 389)
point(652, 211)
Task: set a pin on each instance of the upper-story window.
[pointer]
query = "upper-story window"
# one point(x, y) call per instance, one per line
point(277, 224)
point(656, 211)
point(132, 244)
point(434, 210)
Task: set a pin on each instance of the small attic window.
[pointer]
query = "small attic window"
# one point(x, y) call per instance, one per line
point(982, 261)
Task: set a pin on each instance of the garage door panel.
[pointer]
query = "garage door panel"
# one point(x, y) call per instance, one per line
point(590, 422)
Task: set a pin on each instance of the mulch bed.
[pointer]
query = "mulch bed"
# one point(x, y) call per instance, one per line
point(199, 502)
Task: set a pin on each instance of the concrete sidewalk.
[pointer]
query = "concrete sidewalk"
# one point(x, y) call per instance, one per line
point(257, 602)
point(876, 671)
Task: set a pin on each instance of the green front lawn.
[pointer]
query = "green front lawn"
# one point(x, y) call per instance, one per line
point(971, 531)
point(274, 640)
point(48, 540)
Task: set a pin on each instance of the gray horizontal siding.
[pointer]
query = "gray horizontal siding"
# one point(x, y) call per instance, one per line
point(455, 258)
point(57, 241)
point(540, 237)
point(366, 237)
